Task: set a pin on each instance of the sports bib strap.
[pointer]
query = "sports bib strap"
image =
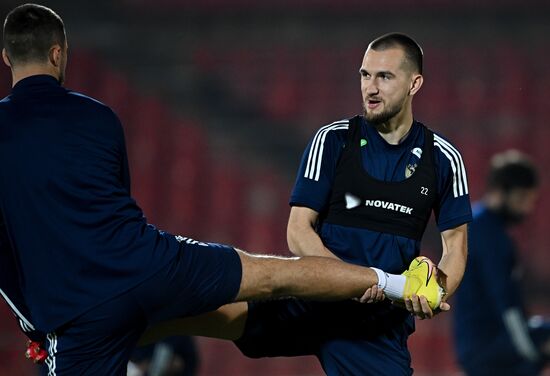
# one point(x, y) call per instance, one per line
point(400, 208)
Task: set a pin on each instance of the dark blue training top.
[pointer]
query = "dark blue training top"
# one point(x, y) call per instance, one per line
point(489, 287)
point(384, 162)
point(75, 236)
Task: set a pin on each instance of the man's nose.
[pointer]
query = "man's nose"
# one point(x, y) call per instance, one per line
point(371, 87)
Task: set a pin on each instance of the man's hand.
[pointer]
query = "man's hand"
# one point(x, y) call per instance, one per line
point(418, 306)
point(423, 295)
point(372, 295)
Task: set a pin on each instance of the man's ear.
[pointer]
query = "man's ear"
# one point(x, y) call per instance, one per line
point(6, 58)
point(55, 55)
point(416, 84)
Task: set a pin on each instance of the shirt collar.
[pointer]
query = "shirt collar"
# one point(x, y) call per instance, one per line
point(406, 142)
point(34, 82)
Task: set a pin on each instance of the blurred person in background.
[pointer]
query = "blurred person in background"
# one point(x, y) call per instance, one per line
point(173, 356)
point(80, 267)
point(492, 333)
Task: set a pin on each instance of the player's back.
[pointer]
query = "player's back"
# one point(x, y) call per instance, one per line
point(78, 236)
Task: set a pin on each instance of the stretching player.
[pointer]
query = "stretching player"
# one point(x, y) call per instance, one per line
point(80, 265)
point(364, 193)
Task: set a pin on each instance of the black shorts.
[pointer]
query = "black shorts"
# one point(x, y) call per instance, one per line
point(294, 327)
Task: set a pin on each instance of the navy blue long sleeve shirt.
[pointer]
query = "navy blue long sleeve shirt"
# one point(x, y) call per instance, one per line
point(489, 288)
point(73, 236)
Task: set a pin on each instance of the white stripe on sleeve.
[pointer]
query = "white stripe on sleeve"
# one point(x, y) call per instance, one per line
point(517, 328)
point(460, 182)
point(17, 312)
point(315, 156)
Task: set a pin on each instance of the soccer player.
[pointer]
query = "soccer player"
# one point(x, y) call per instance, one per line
point(497, 339)
point(80, 266)
point(364, 193)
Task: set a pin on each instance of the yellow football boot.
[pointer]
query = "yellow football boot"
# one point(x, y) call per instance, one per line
point(422, 281)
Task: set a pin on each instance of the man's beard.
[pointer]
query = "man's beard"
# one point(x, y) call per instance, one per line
point(382, 117)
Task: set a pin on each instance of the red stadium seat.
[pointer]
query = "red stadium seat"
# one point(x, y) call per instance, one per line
point(187, 169)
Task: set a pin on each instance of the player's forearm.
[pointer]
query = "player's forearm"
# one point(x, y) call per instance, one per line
point(453, 261)
point(452, 267)
point(302, 238)
point(304, 241)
